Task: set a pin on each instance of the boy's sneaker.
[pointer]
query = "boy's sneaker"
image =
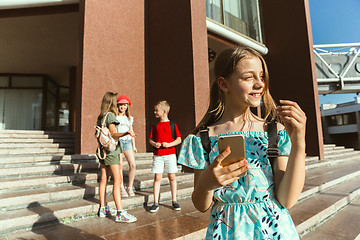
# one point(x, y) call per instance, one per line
point(105, 211)
point(176, 206)
point(154, 208)
point(124, 193)
point(130, 191)
point(123, 216)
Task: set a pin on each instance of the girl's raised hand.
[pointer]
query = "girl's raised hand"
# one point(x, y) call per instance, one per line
point(294, 120)
point(216, 175)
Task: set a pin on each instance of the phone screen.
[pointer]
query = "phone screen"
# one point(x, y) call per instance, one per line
point(237, 146)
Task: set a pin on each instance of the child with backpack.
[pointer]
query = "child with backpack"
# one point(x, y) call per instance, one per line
point(164, 136)
point(252, 205)
point(110, 160)
point(127, 143)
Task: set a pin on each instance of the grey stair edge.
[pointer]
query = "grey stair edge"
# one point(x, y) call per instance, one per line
point(51, 169)
point(332, 157)
point(328, 162)
point(70, 157)
point(21, 146)
point(326, 213)
point(142, 181)
point(34, 131)
point(49, 157)
point(90, 207)
point(338, 153)
point(44, 151)
point(51, 180)
point(44, 162)
point(326, 185)
point(54, 168)
point(332, 146)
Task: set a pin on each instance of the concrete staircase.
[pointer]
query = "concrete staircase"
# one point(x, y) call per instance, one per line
point(331, 192)
point(42, 188)
point(40, 184)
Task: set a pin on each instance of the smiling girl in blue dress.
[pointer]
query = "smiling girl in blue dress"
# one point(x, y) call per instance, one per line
point(254, 205)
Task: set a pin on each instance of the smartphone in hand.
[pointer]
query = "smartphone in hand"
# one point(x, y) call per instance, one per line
point(237, 147)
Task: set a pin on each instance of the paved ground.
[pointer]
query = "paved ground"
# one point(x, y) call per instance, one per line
point(164, 224)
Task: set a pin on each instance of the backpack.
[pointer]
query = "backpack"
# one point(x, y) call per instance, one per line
point(105, 141)
point(173, 134)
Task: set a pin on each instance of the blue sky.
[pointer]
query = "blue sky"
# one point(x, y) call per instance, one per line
point(335, 21)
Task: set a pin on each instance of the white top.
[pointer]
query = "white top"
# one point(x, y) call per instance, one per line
point(124, 125)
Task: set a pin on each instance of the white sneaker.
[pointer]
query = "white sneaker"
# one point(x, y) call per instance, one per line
point(124, 216)
point(124, 193)
point(130, 191)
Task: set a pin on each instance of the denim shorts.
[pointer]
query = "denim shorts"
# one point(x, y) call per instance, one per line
point(126, 144)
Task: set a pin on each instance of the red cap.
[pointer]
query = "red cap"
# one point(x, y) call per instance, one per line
point(124, 99)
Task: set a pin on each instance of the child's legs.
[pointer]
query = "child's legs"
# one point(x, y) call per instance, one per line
point(115, 169)
point(121, 165)
point(158, 169)
point(103, 182)
point(171, 169)
point(173, 185)
point(156, 185)
point(130, 157)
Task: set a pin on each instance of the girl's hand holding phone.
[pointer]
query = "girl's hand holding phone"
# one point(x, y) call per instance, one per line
point(216, 175)
point(294, 120)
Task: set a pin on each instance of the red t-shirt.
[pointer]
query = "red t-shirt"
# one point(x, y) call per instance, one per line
point(163, 134)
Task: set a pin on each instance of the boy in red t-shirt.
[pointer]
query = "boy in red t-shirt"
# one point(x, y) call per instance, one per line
point(164, 153)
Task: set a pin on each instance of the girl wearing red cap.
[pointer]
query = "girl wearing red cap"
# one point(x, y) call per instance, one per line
point(127, 143)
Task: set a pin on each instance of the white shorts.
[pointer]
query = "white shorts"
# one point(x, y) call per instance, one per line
point(169, 161)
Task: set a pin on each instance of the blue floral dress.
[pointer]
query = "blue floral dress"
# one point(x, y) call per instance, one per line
point(246, 208)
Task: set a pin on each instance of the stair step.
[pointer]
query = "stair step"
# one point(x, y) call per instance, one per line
point(27, 151)
point(333, 153)
point(330, 146)
point(332, 161)
point(42, 181)
point(19, 147)
point(143, 167)
point(318, 176)
point(45, 158)
point(146, 181)
point(36, 214)
point(47, 169)
point(343, 225)
point(34, 140)
point(314, 210)
point(61, 192)
point(51, 159)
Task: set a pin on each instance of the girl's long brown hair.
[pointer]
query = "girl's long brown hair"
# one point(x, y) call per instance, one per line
point(108, 104)
point(225, 65)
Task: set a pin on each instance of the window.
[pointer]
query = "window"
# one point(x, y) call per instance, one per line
point(242, 16)
point(342, 119)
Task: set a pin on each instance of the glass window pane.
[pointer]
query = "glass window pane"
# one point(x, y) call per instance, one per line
point(51, 87)
point(4, 81)
point(243, 16)
point(26, 81)
point(23, 109)
point(214, 10)
point(339, 120)
point(50, 112)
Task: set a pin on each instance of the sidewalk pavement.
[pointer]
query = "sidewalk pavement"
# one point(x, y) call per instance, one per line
point(188, 223)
